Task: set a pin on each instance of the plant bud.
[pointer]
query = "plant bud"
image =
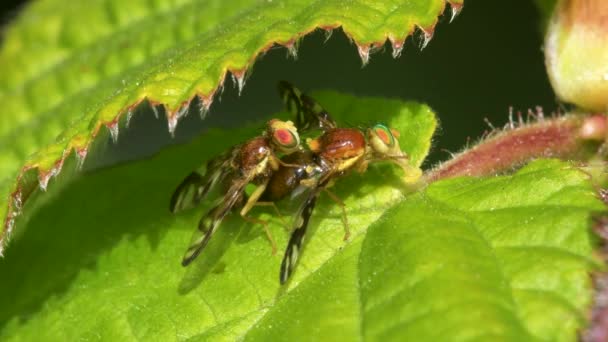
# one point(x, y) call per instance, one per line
point(576, 53)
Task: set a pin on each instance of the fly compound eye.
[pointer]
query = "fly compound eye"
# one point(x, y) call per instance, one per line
point(284, 135)
point(384, 134)
point(381, 139)
point(285, 138)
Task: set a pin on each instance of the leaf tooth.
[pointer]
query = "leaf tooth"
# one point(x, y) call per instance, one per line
point(456, 8)
point(173, 117)
point(172, 124)
point(15, 205)
point(363, 50)
point(113, 129)
point(130, 113)
point(292, 48)
point(328, 32)
point(9, 224)
point(45, 176)
point(427, 35)
point(219, 91)
point(81, 155)
point(43, 180)
point(397, 46)
point(204, 103)
point(238, 77)
point(154, 108)
point(17, 201)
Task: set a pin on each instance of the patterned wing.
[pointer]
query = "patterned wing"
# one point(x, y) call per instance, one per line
point(195, 187)
point(291, 97)
point(308, 113)
point(315, 115)
point(292, 252)
point(213, 218)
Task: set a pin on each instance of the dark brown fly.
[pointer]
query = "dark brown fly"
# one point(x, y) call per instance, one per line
point(252, 162)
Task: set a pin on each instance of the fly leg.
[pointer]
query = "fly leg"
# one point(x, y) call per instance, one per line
point(282, 163)
point(253, 201)
point(337, 199)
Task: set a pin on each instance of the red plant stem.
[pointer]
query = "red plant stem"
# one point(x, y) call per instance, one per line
point(565, 137)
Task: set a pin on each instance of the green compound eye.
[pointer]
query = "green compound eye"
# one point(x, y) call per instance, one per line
point(385, 134)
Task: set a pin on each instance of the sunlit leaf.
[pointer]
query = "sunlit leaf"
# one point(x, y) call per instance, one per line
point(101, 259)
point(75, 70)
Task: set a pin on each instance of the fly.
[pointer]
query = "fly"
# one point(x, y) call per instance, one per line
point(335, 153)
point(252, 162)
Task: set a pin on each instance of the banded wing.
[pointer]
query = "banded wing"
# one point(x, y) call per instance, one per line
point(315, 115)
point(213, 218)
point(291, 97)
point(292, 252)
point(308, 113)
point(195, 187)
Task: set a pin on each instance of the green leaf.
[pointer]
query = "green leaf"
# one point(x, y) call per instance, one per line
point(101, 258)
point(506, 258)
point(71, 70)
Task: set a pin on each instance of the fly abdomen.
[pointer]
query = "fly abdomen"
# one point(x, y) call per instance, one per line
point(287, 178)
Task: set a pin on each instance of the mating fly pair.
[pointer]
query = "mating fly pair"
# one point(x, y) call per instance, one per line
point(334, 153)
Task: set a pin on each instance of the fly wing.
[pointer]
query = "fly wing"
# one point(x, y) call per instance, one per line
point(292, 252)
point(291, 97)
point(308, 113)
point(316, 115)
point(195, 187)
point(212, 220)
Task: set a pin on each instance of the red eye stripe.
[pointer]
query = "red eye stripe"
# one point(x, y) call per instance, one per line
point(383, 135)
point(284, 137)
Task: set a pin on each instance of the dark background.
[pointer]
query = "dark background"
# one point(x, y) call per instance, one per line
point(487, 60)
point(9, 9)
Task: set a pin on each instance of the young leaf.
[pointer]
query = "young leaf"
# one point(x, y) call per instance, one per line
point(102, 259)
point(75, 70)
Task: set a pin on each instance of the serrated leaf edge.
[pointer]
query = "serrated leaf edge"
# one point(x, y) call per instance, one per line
point(17, 198)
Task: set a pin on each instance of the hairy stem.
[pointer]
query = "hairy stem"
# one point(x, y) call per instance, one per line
point(566, 137)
